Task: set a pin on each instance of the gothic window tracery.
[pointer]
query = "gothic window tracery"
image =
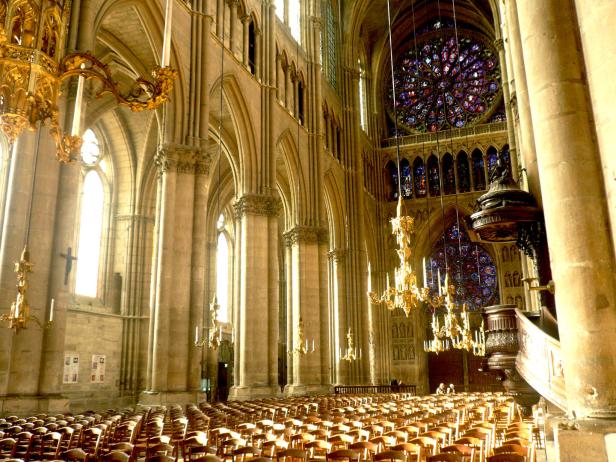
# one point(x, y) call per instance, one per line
point(471, 269)
point(434, 176)
point(479, 176)
point(222, 271)
point(449, 176)
point(464, 180)
point(405, 174)
point(441, 88)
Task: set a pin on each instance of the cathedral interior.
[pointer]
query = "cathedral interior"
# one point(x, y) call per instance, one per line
point(207, 206)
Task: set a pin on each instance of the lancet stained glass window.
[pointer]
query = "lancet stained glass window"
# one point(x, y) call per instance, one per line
point(439, 88)
point(471, 269)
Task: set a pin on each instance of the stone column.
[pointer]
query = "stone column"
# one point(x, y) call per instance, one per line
point(234, 39)
point(258, 299)
point(574, 203)
point(306, 296)
point(339, 315)
point(596, 22)
point(246, 40)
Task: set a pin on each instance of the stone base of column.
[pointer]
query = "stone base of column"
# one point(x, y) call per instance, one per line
point(253, 392)
point(30, 405)
point(303, 390)
point(584, 440)
point(165, 398)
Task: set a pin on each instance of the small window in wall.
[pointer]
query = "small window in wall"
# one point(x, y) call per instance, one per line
point(222, 271)
point(90, 235)
point(300, 102)
point(294, 19)
point(92, 217)
point(252, 41)
point(363, 116)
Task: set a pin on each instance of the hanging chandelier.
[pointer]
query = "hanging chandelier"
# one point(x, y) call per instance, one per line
point(352, 353)
point(32, 69)
point(302, 345)
point(214, 336)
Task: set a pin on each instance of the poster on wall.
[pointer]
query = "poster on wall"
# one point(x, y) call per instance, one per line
point(97, 374)
point(71, 368)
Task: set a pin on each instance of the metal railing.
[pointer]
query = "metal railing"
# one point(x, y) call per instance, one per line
point(481, 129)
point(374, 389)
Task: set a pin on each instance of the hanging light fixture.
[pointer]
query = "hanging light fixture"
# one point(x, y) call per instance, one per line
point(302, 346)
point(32, 69)
point(351, 353)
point(405, 294)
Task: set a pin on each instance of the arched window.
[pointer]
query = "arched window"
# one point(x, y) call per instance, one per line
point(294, 19)
point(363, 116)
point(391, 181)
point(91, 218)
point(405, 173)
point(300, 101)
point(279, 4)
point(449, 176)
point(464, 179)
point(222, 271)
point(329, 48)
point(252, 51)
point(419, 173)
point(479, 175)
point(492, 155)
point(434, 176)
point(471, 269)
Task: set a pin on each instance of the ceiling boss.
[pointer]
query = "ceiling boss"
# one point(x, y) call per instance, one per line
point(33, 66)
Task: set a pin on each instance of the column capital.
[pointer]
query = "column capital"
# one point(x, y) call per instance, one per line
point(182, 158)
point(337, 255)
point(305, 235)
point(499, 44)
point(257, 204)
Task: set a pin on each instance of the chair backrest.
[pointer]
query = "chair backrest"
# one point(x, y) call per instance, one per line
point(115, 456)
point(391, 456)
point(6, 446)
point(508, 457)
point(344, 455)
point(291, 455)
point(512, 448)
point(76, 454)
point(161, 458)
point(445, 457)
point(164, 449)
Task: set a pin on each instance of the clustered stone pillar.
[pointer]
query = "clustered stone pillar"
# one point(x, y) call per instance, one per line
point(574, 202)
point(258, 298)
point(310, 374)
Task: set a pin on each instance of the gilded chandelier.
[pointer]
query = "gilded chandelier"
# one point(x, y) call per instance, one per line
point(214, 337)
point(302, 345)
point(404, 294)
point(352, 353)
point(455, 332)
point(32, 69)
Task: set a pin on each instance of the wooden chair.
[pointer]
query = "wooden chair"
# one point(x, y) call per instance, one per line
point(6, 447)
point(445, 457)
point(340, 441)
point(412, 451)
point(245, 453)
point(292, 455)
point(91, 441)
point(75, 455)
point(366, 449)
point(514, 448)
point(272, 447)
point(125, 447)
point(508, 457)
point(344, 455)
point(318, 449)
point(162, 449)
point(383, 442)
point(49, 447)
point(115, 456)
point(467, 452)
point(390, 456)
point(161, 458)
point(23, 445)
point(427, 444)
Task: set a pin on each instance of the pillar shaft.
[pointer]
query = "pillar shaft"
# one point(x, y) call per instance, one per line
point(574, 202)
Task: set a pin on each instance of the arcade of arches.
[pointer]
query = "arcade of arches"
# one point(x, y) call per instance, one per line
point(269, 179)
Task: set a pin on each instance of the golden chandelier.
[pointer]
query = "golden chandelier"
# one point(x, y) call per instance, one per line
point(302, 346)
point(214, 337)
point(352, 353)
point(404, 294)
point(33, 67)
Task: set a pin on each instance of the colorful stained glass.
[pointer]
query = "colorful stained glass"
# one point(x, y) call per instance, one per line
point(405, 173)
point(464, 179)
point(440, 88)
point(433, 176)
point(479, 176)
point(470, 269)
point(449, 177)
point(419, 174)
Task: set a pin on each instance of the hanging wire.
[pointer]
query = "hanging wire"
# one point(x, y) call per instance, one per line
point(393, 95)
point(31, 201)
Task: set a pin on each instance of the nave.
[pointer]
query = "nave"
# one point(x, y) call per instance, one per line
point(390, 427)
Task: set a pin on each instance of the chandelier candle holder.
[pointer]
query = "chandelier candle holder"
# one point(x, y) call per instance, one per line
point(214, 338)
point(19, 314)
point(404, 294)
point(33, 68)
point(352, 353)
point(302, 346)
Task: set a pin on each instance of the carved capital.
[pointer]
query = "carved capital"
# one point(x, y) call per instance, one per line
point(337, 255)
point(256, 204)
point(305, 235)
point(177, 158)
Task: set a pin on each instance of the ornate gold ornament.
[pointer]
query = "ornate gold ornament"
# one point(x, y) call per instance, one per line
point(404, 294)
point(32, 70)
point(352, 353)
point(19, 314)
point(302, 345)
point(214, 337)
